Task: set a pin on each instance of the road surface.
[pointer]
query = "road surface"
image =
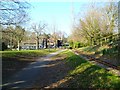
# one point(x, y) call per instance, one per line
point(28, 76)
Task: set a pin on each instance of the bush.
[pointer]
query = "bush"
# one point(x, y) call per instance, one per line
point(77, 45)
point(70, 47)
point(104, 51)
point(4, 46)
point(71, 44)
point(110, 51)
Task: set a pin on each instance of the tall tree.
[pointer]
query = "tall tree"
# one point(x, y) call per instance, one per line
point(96, 24)
point(111, 14)
point(13, 12)
point(8, 36)
point(19, 34)
point(38, 29)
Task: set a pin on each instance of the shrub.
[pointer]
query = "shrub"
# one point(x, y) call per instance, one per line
point(77, 45)
point(4, 46)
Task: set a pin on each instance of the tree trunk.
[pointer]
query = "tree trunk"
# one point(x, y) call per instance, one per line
point(37, 44)
point(55, 45)
point(18, 45)
point(49, 46)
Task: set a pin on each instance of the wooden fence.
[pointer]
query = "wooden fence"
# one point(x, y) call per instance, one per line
point(106, 40)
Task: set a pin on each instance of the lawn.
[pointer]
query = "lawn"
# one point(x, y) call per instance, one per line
point(14, 61)
point(26, 53)
point(84, 74)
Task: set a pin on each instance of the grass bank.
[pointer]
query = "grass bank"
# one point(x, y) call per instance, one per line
point(84, 74)
point(105, 53)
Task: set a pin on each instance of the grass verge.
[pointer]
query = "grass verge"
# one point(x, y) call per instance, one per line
point(105, 53)
point(84, 74)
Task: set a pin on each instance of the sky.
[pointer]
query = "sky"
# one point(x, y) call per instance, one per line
point(58, 14)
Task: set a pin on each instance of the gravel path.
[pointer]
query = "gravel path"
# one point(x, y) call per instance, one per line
point(28, 76)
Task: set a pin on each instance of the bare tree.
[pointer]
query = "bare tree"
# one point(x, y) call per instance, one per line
point(38, 29)
point(13, 12)
point(55, 35)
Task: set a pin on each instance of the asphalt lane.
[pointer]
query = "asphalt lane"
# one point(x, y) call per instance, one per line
point(28, 75)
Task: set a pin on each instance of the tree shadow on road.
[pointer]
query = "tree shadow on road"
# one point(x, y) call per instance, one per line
point(12, 65)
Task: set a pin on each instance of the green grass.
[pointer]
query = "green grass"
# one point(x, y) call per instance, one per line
point(92, 49)
point(100, 50)
point(32, 53)
point(105, 52)
point(84, 74)
point(89, 48)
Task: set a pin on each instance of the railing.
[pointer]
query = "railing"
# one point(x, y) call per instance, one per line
point(107, 40)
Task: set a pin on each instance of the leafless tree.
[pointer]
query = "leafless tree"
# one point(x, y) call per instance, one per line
point(38, 29)
point(13, 12)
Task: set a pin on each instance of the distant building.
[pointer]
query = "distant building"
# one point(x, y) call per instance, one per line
point(43, 43)
point(30, 45)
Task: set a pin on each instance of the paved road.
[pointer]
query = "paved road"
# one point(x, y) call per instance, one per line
point(27, 76)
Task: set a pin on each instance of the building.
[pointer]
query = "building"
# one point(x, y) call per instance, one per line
point(30, 45)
